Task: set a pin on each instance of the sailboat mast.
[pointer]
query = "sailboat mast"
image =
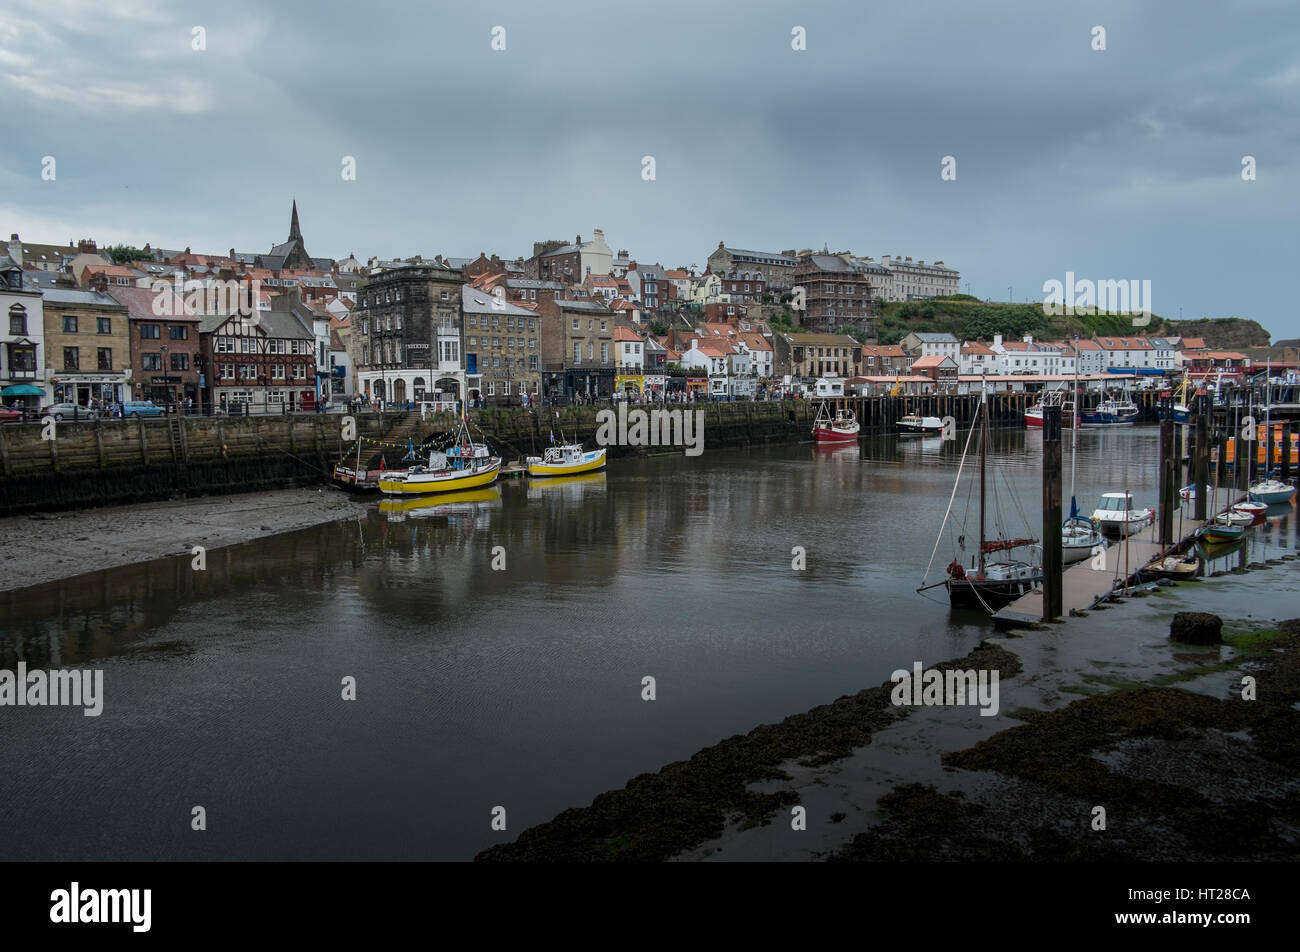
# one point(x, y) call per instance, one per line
point(1074, 423)
point(984, 430)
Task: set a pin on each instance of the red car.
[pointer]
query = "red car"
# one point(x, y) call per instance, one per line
point(9, 416)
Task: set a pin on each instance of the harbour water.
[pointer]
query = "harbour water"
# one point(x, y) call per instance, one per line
point(519, 687)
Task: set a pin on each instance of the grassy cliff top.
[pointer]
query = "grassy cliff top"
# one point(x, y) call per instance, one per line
point(969, 318)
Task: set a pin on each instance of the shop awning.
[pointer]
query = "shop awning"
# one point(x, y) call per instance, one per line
point(22, 390)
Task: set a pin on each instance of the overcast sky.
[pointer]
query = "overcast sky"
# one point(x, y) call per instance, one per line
point(1119, 164)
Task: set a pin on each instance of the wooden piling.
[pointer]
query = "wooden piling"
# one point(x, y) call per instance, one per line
point(1052, 564)
point(1168, 471)
point(1201, 480)
point(1286, 451)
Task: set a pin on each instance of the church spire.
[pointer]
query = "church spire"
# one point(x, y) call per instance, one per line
point(294, 233)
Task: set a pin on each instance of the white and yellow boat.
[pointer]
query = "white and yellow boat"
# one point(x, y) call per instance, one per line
point(467, 466)
point(568, 459)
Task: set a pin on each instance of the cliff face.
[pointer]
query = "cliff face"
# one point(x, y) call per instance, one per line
point(1223, 333)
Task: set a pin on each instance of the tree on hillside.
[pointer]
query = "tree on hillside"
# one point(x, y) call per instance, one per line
point(121, 254)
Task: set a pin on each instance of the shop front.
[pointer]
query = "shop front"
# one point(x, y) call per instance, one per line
point(85, 389)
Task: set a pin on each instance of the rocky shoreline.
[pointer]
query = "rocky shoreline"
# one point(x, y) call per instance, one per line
point(1103, 711)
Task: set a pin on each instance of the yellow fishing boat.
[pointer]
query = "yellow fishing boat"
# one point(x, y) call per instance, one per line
point(566, 460)
point(467, 465)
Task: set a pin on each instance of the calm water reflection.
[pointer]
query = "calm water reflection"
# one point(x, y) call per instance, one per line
point(476, 687)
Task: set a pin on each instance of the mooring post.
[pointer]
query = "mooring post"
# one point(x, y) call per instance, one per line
point(1052, 584)
point(1168, 470)
point(1201, 481)
point(1286, 451)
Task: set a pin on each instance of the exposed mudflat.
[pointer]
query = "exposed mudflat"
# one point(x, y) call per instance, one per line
point(44, 547)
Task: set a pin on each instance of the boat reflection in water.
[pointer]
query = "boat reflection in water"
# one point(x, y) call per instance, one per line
point(567, 487)
point(465, 506)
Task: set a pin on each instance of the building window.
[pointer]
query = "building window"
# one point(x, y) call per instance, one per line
point(227, 371)
point(104, 325)
point(180, 332)
point(577, 351)
point(69, 324)
point(532, 362)
point(299, 371)
point(151, 361)
point(180, 361)
point(277, 371)
point(149, 332)
point(71, 357)
point(575, 323)
point(604, 353)
point(18, 321)
point(105, 358)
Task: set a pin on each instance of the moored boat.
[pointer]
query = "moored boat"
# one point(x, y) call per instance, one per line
point(1271, 492)
point(1220, 532)
point(1172, 567)
point(1080, 539)
point(990, 583)
point(920, 424)
point(466, 465)
point(568, 459)
point(1110, 413)
point(1115, 515)
point(1255, 510)
point(1051, 398)
point(842, 428)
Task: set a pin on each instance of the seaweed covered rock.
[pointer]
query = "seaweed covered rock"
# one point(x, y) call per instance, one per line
point(1197, 628)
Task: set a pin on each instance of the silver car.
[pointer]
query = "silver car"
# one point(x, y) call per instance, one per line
point(69, 411)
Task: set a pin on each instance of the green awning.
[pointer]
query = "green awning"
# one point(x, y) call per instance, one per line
point(22, 390)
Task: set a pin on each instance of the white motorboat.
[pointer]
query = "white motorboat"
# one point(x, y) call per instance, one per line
point(1116, 516)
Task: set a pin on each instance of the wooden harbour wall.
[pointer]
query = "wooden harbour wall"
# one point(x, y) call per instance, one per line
point(107, 462)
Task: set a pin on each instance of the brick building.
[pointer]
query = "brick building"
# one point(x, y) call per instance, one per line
point(166, 353)
point(577, 343)
point(837, 294)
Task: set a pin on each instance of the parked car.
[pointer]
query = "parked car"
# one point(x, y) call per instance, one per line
point(69, 411)
point(10, 416)
point(141, 408)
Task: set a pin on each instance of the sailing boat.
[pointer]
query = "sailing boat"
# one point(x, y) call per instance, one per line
point(991, 583)
point(1080, 536)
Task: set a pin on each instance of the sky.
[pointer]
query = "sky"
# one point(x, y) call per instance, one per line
point(1123, 163)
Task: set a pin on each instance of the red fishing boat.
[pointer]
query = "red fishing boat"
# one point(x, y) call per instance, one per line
point(1052, 398)
point(842, 428)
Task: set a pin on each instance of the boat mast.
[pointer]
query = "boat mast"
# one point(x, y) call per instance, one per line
point(1074, 424)
point(984, 409)
point(1268, 423)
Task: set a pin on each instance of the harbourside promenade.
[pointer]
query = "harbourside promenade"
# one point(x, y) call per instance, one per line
point(107, 462)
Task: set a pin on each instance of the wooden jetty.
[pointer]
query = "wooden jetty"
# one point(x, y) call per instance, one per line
point(1082, 584)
